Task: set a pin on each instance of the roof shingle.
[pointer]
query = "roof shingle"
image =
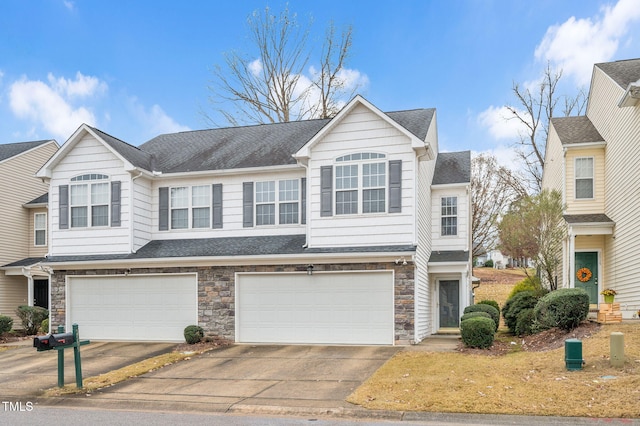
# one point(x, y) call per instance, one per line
point(12, 149)
point(622, 72)
point(452, 167)
point(576, 130)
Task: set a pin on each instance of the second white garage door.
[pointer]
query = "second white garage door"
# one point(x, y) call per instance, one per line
point(143, 307)
point(323, 308)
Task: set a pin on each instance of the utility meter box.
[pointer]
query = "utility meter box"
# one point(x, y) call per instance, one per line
point(573, 354)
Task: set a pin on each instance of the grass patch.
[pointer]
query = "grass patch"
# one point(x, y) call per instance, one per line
point(5, 348)
point(517, 383)
point(91, 384)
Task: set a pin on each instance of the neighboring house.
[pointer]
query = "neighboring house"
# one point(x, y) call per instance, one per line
point(350, 230)
point(593, 160)
point(500, 261)
point(23, 228)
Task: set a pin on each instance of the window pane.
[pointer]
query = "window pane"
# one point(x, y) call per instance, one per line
point(201, 218)
point(78, 195)
point(100, 193)
point(449, 206)
point(265, 214)
point(373, 175)
point(41, 237)
point(200, 196)
point(288, 190)
point(99, 215)
point(347, 177)
point(288, 213)
point(584, 168)
point(449, 226)
point(78, 217)
point(347, 202)
point(179, 218)
point(373, 201)
point(584, 188)
point(179, 197)
point(266, 192)
point(40, 221)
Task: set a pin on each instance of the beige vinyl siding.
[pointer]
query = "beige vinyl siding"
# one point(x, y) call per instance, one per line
point(363, 131)
point(37, 251)
point(13, 293)
point(553, 164)
point(620, 127)
point(583, 206)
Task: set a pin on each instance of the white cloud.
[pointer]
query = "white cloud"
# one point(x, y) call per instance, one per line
point(577, 44)
point(50, 105)
point(69, 5)
point(255, 67)
point(154, 120)
point(500, 123)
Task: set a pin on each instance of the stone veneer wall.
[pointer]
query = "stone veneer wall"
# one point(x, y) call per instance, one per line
point(216, 292)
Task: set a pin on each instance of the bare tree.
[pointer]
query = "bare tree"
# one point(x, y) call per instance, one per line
point(534, 111)
point(271, 87)
point(493, 189)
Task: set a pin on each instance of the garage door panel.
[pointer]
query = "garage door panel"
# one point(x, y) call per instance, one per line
point(340, 308)
point(149, 307)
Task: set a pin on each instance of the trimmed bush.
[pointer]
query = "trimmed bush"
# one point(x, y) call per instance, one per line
point(525, 323)
point(474, 315)
point(565, 308)
point(491, 303)
point(495, 315)
point(5, 324)
point(31, 317)
point(193, 334)
point(44, 326)
point(488, 263)
point(477, 332)
point(513, 306)
point(527, 284)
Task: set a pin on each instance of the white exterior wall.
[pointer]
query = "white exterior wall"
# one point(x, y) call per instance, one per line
point(620, 127)
point(362, 131)
point(89, 156)
point(450, 242)
point(142, 212)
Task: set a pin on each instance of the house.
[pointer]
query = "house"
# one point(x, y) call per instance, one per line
point(24, 224)
point(500, 260)
point(350, 230)
point(593, 161)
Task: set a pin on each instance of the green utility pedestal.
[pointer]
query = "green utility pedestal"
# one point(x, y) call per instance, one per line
point(573, 354)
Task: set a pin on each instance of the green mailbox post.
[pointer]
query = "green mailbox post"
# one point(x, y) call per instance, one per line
point(573, 354)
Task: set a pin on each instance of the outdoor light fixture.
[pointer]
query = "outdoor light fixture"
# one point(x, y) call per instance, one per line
point(401, 260)
point(310, 270)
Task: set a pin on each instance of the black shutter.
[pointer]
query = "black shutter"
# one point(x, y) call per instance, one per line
point(303, 201)
point(115, 203)
point(395, 186)
point(163, 211)
point(63, 207)
point(326, 190)
point(247, 204)
point(216, 207)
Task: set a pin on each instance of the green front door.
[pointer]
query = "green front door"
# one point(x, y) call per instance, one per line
point(586, 274)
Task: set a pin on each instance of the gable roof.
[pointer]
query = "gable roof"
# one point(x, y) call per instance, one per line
point(133, 154)
point(622, 72)
point(452, 167)
point(12, 149)
point(575, 130)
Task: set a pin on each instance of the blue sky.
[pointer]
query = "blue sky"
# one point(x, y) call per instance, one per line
point(138, 69)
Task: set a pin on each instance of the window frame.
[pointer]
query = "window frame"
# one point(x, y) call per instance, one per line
point(446, 214)
point(36, 229)
point(190, 206)
point(276, 201)
point(591, 178)
point(360, 161)
point(88, 204)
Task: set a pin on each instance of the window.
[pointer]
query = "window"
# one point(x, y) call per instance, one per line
point(584, 178)
point(89, 201)
point(449, 216)
point(286, 198)
point(40, 229)
point(201, 202)
point(180, 207)
point(361, 179)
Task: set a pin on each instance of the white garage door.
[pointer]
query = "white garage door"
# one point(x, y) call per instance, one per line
point(142, 307)
point(325, 308)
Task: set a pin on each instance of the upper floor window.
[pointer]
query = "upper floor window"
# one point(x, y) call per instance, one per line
point(449, 216)
point(184, 207)
point(286, 199)
point(360, 179)
point(584, 178)
point(40, 229)
point(89, 201)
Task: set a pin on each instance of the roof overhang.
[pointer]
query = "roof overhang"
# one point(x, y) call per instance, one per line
point(587, 224)
point(631, 95)
point(583, 145)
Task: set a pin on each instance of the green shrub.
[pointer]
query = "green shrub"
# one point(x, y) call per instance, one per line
point(525, 322)
point(488, 263)
point(495, 315)
point(491, 303)
point(527, 284)
point(513, 306)
point(193, 334)
point(565, 308)
point(44, 326)
point(474, 315)
point(5, 324)
point(31, 317)
point(477, 332)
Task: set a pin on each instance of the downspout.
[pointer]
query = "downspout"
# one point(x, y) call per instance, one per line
point(131, 191)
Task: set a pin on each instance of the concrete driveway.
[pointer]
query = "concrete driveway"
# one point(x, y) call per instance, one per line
point(25, 372)
point(274, 379)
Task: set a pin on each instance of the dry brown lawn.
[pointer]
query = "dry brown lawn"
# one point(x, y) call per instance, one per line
point(519, 382)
